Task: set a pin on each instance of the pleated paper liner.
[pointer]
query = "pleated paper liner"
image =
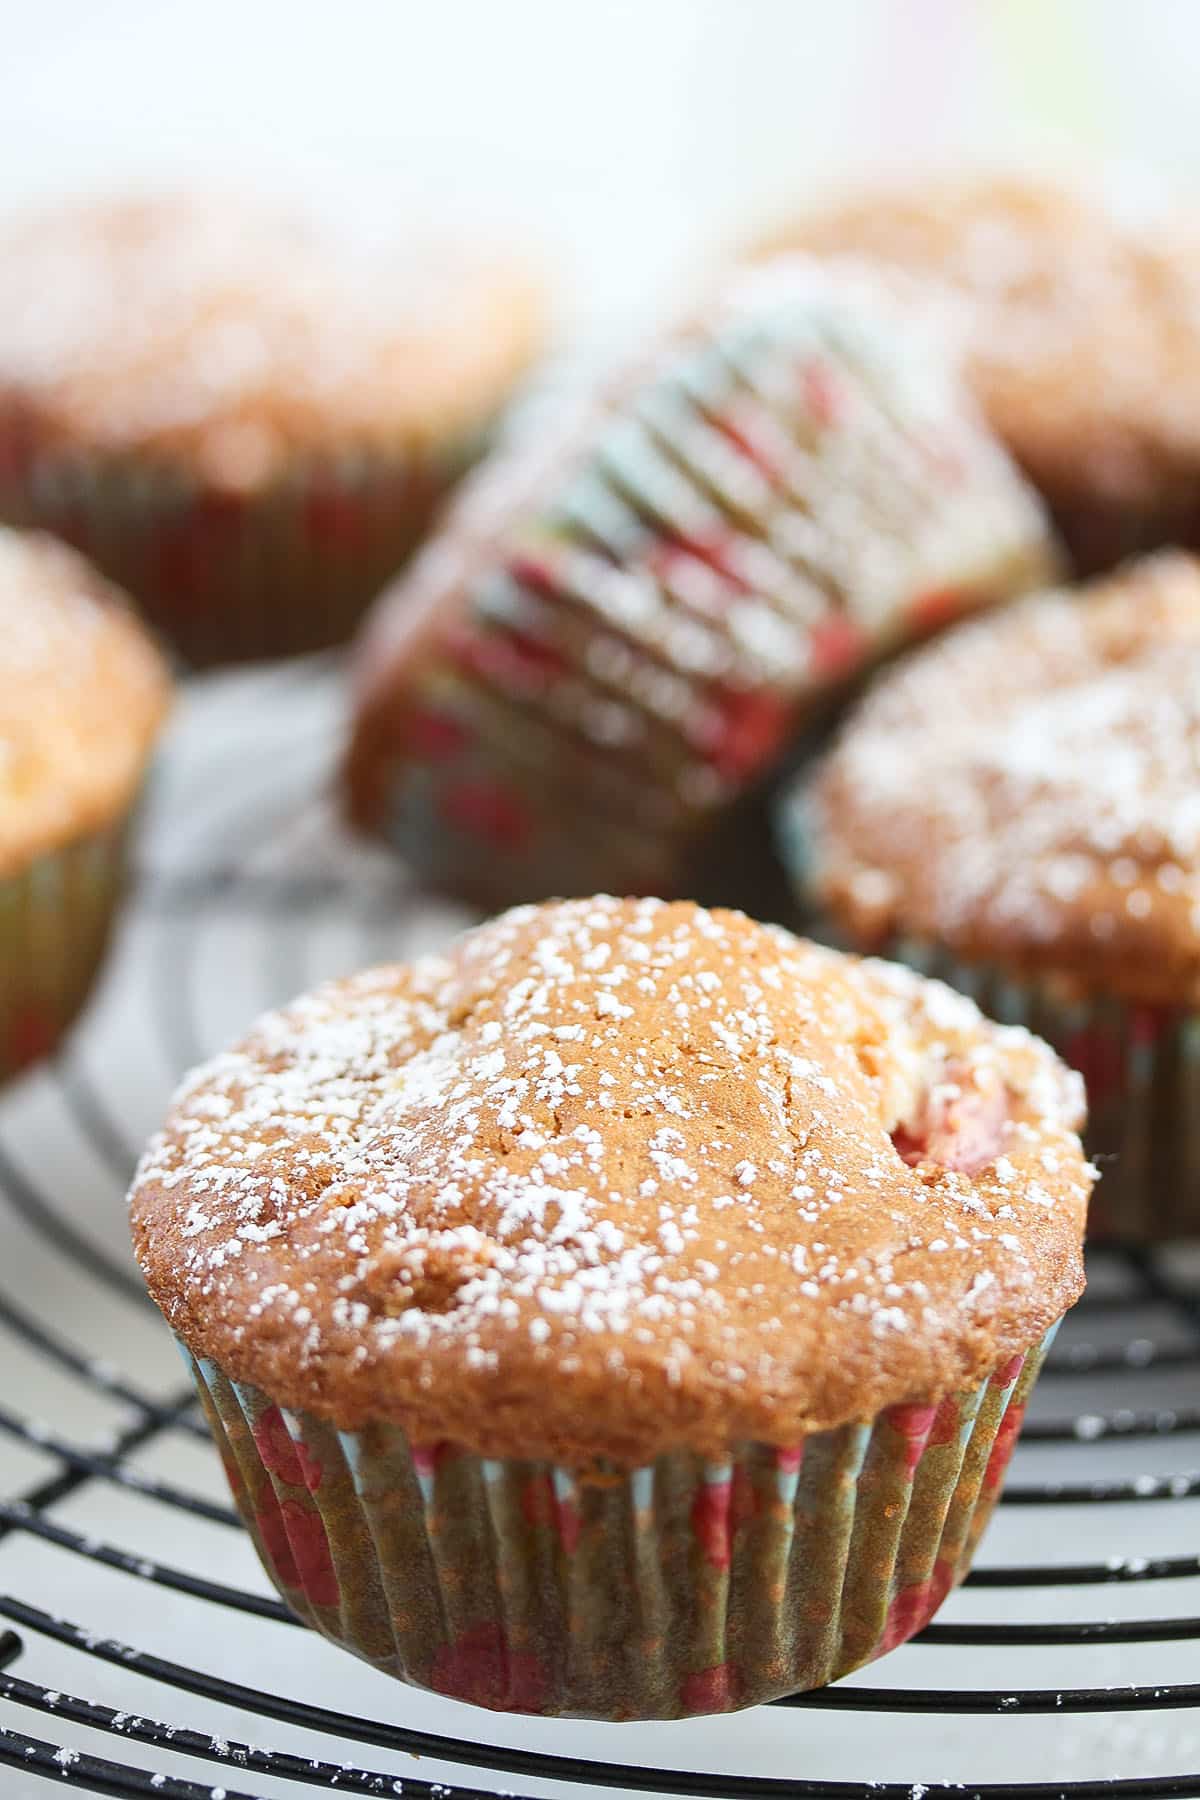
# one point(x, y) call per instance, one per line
point(227, 577)
point(56, 917)
point(1141, 1068)
point(749, 521)
point(681, 1588)
point(530, 768)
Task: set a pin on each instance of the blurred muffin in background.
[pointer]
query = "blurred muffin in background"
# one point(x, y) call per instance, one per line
point(626, 1313)
point(83, 694)
point(248, 419)
point(630, 612)
point(1017, 810)
point(1082, 323)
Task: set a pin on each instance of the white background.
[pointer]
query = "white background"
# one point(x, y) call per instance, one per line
point(624, 139)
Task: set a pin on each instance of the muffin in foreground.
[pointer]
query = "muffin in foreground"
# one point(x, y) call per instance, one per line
point(627, 1314)
point(627, 617)
point(83, 694)
point(1018, 809)
point(1082, 325)
point(245, 418)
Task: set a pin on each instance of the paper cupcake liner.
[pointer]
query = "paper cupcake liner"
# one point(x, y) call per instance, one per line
point(1141, 1068)
point(229, 577)
point(527, 705)
point(55, 920)
point(681, 1588)
point(742, 528)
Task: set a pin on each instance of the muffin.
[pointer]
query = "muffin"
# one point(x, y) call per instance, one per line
point(83, 694)
point(247, 419)
point(1018, 807)
point(623, 624)
point(626, 1314)
point(1082, 326)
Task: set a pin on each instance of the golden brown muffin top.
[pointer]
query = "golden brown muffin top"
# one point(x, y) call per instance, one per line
point(1082, 320)
point(225, 337)
point(83, 694)
point(613, 1177)
point(1027, 791)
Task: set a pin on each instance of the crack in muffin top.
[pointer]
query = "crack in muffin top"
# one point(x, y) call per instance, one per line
point(614, 1177)
point(83, 694)
point(1027, 791)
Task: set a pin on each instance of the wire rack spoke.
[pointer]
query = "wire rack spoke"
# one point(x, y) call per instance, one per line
point(1125, 1422)
point(244, 859)
point(245, 1758)
point(20, 1516)
point(38, 1212)
point(1079, 1631)
point(93, 1372)
point(113, 1468)
point(1117, 1570)
point(97, 1775)
point(1059, 1701)
point(1084, 1359)
point(712, 1786)
point(1182, 1486)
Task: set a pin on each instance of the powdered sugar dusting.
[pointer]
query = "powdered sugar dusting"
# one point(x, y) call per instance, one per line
point(1033, 777)
point(376, 1176)
point(234, 329)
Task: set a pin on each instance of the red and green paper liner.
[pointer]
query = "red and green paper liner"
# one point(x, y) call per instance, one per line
point(774, 505)
point(231, 577)
point(681, 1588)
point(1141, 1069)
point(56, 917)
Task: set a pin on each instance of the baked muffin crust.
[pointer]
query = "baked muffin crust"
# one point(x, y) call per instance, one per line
point(1081, 321)
point(83, 694)
point(1026, 792)
point(222, 338)
point(616, 1177)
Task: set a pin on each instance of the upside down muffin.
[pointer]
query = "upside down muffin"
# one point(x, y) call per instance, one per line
point(83, 695)
point(628, 1313)
point(1018, 807)
point(1081, 321)
point(628, 616)
point(245, 417)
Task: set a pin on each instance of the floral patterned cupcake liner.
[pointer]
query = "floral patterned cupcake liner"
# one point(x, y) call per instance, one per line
point(231, 577)
point(743, 528)
point(56, 918)
point(1141, 1068)
point(681, 1588)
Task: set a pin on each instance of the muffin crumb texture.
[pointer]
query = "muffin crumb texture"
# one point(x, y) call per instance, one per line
point(611, 1178)
point(1027, 791)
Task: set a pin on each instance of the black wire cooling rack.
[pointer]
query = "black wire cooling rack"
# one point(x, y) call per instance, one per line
point(1068, 1665)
